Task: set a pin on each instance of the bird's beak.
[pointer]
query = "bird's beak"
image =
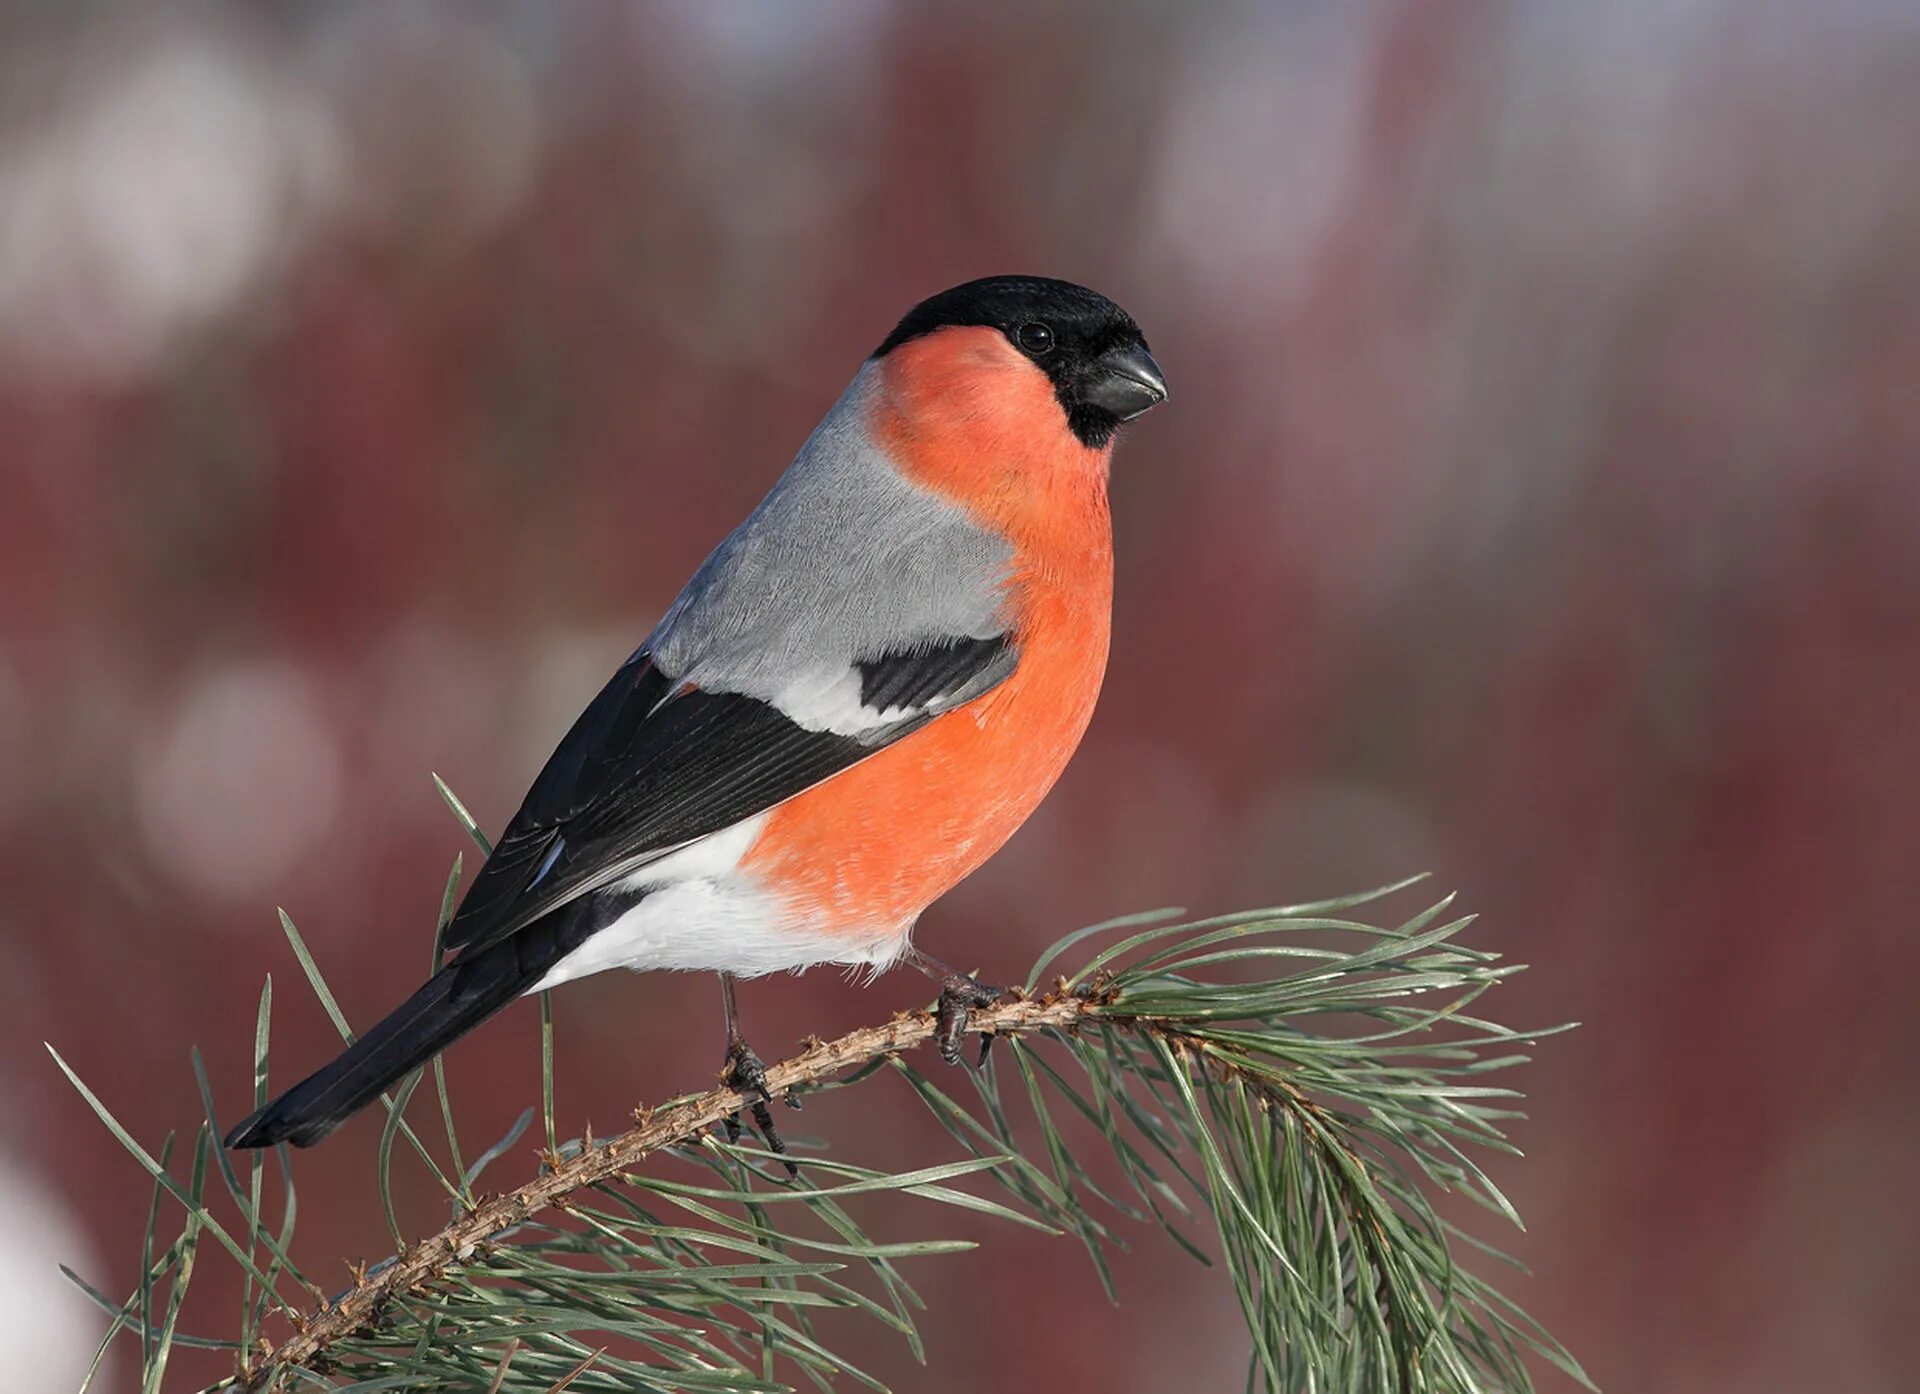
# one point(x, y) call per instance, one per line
point(1126, 381)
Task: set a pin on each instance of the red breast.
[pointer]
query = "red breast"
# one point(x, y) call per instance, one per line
point(963, 414)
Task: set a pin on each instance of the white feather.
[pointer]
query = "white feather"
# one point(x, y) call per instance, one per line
point(831, 702)
point(701, 912)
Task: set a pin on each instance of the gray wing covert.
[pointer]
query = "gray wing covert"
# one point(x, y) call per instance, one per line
point(844, 562)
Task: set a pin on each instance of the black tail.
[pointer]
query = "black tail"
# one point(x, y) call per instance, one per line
point(453, 1002)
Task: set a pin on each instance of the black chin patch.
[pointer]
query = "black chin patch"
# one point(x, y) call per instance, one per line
point(1091, 426)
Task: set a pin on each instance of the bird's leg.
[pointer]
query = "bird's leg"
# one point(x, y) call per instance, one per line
point(748, 1073)
point(959, 993)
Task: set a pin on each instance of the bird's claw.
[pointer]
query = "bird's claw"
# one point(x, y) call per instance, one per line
point(747, 1072)
point(959, 994)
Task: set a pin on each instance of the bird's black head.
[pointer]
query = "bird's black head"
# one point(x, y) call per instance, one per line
point(1089, 347)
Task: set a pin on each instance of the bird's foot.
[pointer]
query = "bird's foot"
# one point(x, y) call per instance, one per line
point(747, 1072)
point(959, 994)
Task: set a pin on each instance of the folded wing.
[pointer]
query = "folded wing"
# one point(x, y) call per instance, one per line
point(652, 765)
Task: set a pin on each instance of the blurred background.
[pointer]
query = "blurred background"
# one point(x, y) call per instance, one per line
point(1539, 502)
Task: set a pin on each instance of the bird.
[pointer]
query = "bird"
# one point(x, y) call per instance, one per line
point(860, 695)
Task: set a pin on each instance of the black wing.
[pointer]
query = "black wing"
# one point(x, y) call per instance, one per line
point(651, 766)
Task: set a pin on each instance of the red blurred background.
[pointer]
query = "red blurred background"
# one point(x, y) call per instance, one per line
point(1537, 505)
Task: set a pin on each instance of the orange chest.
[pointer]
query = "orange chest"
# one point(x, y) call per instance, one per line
point(966, 419)
point(871, 848)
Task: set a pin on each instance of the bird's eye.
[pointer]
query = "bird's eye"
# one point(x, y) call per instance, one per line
point(1035, 338)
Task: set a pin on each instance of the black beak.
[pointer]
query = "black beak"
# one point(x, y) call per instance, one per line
point(1126, 381)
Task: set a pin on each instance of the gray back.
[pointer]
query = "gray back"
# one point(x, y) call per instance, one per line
point(844, 560)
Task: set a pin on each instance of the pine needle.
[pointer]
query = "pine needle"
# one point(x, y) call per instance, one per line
point(1305, 1080)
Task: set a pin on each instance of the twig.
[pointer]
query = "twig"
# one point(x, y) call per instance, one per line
point(667, 1127)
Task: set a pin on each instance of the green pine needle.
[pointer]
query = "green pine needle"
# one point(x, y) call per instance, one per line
point(1306, 1080)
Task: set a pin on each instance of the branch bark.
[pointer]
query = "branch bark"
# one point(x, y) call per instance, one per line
point(653, 1130)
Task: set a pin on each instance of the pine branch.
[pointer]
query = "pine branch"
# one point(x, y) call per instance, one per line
point(600, 1160)
point(1216, 1065)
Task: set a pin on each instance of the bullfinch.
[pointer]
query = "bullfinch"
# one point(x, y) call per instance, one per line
point(858, 698)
